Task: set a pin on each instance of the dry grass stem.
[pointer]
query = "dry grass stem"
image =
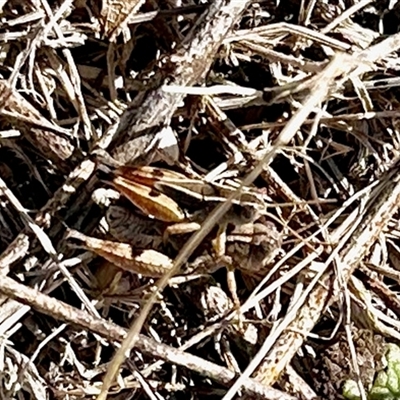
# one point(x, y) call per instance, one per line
point(245, 154)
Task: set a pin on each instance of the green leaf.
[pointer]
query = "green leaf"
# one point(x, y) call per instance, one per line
point(350, 390)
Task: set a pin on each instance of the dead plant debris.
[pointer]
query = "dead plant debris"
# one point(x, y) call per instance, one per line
point(246, 152)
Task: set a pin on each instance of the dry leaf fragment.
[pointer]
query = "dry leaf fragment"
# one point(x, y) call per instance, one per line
point(14, 105)
point(51, 140)
point(115, 15)
point(149, 263)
